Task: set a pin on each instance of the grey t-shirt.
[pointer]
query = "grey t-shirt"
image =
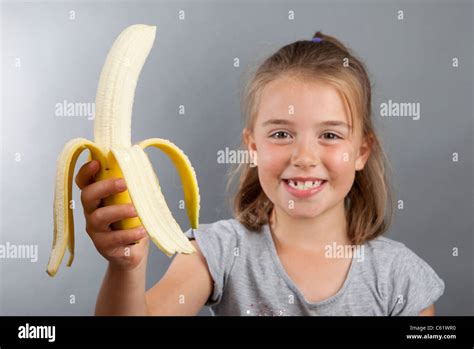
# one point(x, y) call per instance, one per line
point(249, 278)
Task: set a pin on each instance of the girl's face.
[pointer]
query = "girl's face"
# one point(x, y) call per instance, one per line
point(305, 157)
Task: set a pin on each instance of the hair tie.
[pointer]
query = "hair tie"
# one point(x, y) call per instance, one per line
point(317, 39)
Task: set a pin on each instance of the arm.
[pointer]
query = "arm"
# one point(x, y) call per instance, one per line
point(183, 290)
point(430, 311)
point(123, 292)
point(185, 287)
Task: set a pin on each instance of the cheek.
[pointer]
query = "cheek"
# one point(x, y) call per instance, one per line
point(272, 160)
point(340, 162)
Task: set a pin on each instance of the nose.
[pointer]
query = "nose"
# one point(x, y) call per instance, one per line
point(305, 154)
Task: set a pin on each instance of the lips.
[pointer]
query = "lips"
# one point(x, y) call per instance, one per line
point(303, 184)
point(305, 179)
point(304, 187)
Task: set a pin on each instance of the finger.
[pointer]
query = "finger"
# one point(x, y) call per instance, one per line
point(86, 173)
point(101, 218)
point(92, 194)
point(119, 238)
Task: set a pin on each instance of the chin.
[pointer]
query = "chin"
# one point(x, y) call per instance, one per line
point(302, 213)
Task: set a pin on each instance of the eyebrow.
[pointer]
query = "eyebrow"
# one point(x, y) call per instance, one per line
point(288, 122)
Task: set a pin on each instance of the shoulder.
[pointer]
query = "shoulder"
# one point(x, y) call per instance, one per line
point(394, 255)
point(219, 243)
point(411, 282)
point(225, 231)
point(383, 247)
point(222, 230)
point(384, 253)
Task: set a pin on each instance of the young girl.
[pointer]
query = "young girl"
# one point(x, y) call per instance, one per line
point(309, 211)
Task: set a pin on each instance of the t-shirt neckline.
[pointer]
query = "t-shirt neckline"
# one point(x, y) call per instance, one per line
point(290, 283)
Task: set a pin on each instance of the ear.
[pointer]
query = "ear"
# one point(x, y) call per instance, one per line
point(363, 153)
point(249, 140)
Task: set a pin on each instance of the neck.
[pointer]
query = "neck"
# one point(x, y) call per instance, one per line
point(310, 233)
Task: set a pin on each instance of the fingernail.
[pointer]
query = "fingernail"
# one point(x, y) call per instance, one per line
point(93, 164)
point(142, 231)
point(120, 184)
point(134, 211)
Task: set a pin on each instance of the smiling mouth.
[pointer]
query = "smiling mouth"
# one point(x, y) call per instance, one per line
point(304, 185)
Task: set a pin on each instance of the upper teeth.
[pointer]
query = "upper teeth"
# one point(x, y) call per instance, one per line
point(304, 185)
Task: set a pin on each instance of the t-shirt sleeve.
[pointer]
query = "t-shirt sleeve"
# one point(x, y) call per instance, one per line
point(217, 242)
point(414, 285)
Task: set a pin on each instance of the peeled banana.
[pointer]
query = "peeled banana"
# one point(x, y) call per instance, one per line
point(119, 159)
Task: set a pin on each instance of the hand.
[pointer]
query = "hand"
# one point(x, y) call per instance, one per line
point(117, 246)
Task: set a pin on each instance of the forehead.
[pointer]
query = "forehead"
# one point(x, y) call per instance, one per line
point(309, 99)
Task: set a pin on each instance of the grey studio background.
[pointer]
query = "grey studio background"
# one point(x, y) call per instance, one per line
point(49, 58)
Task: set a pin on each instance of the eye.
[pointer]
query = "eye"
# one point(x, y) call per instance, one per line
point(280, 135)
point(332, 135)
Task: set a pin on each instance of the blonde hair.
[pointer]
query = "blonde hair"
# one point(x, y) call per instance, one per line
point(368, 205)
